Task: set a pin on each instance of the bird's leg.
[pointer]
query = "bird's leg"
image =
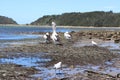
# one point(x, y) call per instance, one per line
point(61, 66)
point(60, 69)
point(55, 71)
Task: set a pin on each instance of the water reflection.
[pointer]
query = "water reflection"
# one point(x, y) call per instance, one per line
point(25, 61)
point(49, 72)
point(17, 36)
point(111, 45)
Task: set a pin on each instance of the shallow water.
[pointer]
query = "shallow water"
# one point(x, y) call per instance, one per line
point(45, 73)
point(49, 72)
point(9, 32)
point(111, 45)
point(25, 61)
point(14, 32)
point(17, 36)
point(108, 44)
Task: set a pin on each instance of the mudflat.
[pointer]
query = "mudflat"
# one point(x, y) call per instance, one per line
point(78, 51)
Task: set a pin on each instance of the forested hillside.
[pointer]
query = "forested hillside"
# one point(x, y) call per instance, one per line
point(6, 20)
point(96, 18)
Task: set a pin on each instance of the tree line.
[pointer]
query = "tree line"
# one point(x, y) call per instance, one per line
point(6, 20)
point(95, 18)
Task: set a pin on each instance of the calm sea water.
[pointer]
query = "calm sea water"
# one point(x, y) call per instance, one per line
point(14, 29)
point(12, 32)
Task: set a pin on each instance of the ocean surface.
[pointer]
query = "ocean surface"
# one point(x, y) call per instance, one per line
point(10, 35)
point(13, 32)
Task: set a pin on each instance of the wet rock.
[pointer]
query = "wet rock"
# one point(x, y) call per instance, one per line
point(110, 75)
point(3, 71)
point(117, 63)
point(13, 72)
point(65, 79)
point(67, 53)
point(81, 55)
point(108, 39)
point(117, 40)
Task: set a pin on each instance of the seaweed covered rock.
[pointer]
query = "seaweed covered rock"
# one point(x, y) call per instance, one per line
point(83, 55)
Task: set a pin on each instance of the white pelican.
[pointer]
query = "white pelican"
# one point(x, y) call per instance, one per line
point(67, 35)
point(47, 37)
point(55, 37)
point(94, 43)
point(58, 66)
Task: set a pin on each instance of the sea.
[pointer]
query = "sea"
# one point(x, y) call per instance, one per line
point(23, 34)
point(14, 32)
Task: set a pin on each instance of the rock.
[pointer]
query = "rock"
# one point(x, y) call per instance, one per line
point(4, 74)
point(3, 71)
point(117, 40)
point(112, 74)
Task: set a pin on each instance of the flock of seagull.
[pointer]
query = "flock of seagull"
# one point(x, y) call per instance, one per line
point(55, 37)
point(56, 40)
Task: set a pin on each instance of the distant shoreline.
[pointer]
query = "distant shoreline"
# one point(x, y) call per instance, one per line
point(47, 26)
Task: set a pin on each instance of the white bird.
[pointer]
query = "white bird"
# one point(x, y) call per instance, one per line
point(94, 43)
point(47, 37)
point(67, 35)
point(55, 37)
point(58, 66)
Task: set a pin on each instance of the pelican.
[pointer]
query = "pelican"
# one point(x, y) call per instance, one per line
point(55, 37)
point(94, 43)
point(58, 66)
point(47, 37)
point(67, 35)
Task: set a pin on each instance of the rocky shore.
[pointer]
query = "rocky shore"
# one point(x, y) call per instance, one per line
point(70, 53)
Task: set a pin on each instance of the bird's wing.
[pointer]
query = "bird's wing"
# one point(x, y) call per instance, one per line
point(44, 36)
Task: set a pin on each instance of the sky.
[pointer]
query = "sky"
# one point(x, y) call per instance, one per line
point(27, 11)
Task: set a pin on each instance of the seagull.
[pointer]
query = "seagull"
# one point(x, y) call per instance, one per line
point(67, 35)
point(118, 75)
point(47, 37)
point(94, 43)
point(55, 37)
point(58, 66)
